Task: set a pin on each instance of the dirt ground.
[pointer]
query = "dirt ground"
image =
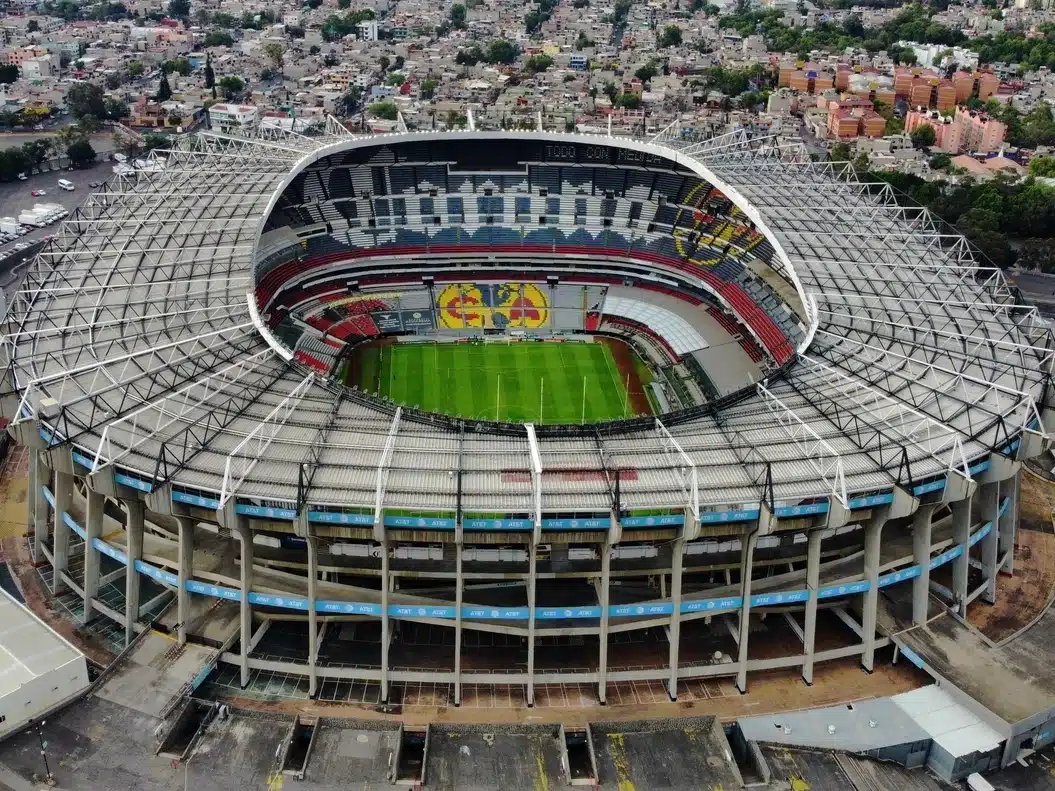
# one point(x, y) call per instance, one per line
point(1025, 595)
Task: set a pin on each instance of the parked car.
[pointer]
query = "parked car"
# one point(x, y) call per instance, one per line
point(38, 193)
point(22, 177)
point(94, 184)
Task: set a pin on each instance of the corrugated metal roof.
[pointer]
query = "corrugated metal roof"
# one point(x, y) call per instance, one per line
point(952, 726)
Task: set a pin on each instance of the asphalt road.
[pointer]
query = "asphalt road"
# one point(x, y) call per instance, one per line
point(1033, 284)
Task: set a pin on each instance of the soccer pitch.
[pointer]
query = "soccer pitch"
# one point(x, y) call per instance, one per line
point(532, 381)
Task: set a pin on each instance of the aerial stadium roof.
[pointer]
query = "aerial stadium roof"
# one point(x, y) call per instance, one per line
point(136, 340)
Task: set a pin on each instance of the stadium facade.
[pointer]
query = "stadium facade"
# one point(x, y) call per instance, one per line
point(170, 360)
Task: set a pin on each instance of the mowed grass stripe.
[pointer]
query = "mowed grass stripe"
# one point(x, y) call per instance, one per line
point(464, 379)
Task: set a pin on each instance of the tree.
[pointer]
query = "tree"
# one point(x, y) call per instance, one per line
point(1037, 254)
point(273, 52)
point(8, 74)
point(502, 51)
point(940, 161)
point(351, 99)
point(179, 66)
point(386, 109)
point(923, 136)
point(458, 15)
point(611, 91)
point(179, 9)
point(135, 68)
point(646, 72)
point(116, 110)
point(670, 37)
point(330, 60)
point(629, 101)
point(537, 63)
point(231, 86)
point(469, 57)
point(84, 100)
point(840, 152)
point(32, 26)
point(1042, 166)
point(36, 152)
point(164, 89)
point(81, 153)
point(152, 140)
point(384, 62)
point(314, 50)
point(210, 75)
point(428, 88)
point(217, 38)
point(395, 79)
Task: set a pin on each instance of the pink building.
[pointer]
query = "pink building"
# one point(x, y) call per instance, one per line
point(967, 130)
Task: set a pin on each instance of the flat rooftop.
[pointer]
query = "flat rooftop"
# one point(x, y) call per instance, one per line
point(29, 648)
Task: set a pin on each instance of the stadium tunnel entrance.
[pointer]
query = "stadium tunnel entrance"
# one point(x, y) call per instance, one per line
point(425, 272)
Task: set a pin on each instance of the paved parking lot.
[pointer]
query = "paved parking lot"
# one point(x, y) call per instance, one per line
point(17, 197)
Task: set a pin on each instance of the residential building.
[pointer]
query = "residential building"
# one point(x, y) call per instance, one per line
point(233, 118)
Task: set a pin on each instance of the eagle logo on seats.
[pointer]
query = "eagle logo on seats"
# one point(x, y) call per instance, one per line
point(493, 306)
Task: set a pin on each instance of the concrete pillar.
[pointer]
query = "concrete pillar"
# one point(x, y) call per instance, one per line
point(602, 637)
point(135, 510)
point(532, 564)
point(921, 543)
point(747, 557)
point(989, 507)
point(961, 533)
point(459, 585)
point(60, 548)
point(39, 475)
point(870, 599)
point(385, 626)
point(93, 529)
point(813, 574)
point(184, 572)
point(245, 541)
point(677, 561)
point(313, 615)
point(1009, 489)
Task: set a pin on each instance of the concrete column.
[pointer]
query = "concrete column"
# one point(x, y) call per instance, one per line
point(921, 543)
point(385, 626)
point(813, 574)
point(313, 616)
point(39, 475)
point(60, 548)
point(961, 533)
point(93, 529)
point(1009, 521)
point(185, 571)
point(989, 507)
point(602, 637)
point(677, 561)
point(459, 585)
point(245, 541)
point(134, 550)
point(747, 557)
point(870, 599)
point(532, 564)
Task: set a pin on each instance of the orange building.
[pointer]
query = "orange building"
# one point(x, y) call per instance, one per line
point(988, 85)
point(963, 82)
point(946, 95)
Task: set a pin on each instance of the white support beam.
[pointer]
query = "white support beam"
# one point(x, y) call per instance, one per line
point(382, 467)
point(536, 479)
point(151, 420)
point(246, 454)
point(824, 458)
point(689, 474)
point(909, 425)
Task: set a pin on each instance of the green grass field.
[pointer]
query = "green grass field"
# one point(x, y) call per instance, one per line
point(498, 380)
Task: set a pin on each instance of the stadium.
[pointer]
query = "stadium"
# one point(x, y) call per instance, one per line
point(518, 408)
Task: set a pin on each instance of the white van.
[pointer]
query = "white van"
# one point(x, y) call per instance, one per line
point(67, 185)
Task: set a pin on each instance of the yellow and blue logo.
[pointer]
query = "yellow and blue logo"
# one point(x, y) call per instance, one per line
point(498, 306)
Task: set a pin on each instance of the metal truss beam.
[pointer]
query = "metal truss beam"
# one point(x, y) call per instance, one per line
point(689, 476)
point(383, 468)
point(151, 420)
point(824, 458)
point(246, 454)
